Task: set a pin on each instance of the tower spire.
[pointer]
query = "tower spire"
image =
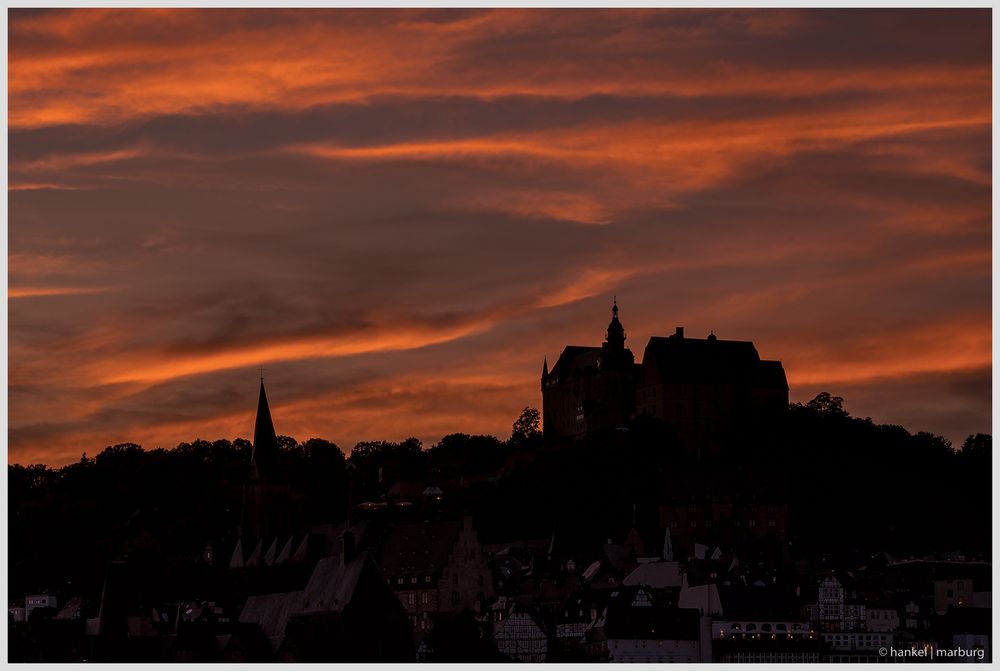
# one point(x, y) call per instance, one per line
point(265, 441)
point(616, 332)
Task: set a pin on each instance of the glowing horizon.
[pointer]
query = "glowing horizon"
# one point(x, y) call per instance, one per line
point(400, 213)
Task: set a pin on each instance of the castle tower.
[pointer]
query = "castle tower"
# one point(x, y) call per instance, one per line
point(615, 339)
point(590, 389)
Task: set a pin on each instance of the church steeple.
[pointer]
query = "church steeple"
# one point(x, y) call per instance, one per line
point(264, 472)
point(264, 459)
point(616, 332)
point(545, 368)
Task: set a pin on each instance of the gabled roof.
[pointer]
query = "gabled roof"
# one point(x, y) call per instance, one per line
point(332, 585)
point(658, 575)
point(270, 612)
point(567, 361)
point(693, 360)
point(330, 589)
point(521, 624)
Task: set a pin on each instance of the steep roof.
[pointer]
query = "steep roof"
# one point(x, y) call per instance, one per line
point(332, 584)
point(265, 442)
point(270, 612)
point(658, 575)
point(330, 589)
point(567, 361)
point(712, 361)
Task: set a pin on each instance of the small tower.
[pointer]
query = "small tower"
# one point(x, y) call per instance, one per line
point(615, 340)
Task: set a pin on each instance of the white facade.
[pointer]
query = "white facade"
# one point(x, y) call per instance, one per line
point(833, 612)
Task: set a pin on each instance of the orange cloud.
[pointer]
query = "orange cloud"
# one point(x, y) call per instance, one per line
point(930, 349)
point(719, 176)
point(35, 292)
point(115, 65)
point(389, 339)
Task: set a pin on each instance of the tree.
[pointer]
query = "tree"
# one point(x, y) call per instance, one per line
point(825, 404)
point(525, 429)
point(286, 443)
point(460, 453)
point(978, 448)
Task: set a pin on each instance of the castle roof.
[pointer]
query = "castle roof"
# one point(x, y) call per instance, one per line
point(712, 361)
point(567, 361)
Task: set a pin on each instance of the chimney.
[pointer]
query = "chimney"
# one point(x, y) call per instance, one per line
point(346, 548)
point(680, 332)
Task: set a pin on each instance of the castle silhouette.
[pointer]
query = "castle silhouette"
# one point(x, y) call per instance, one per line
point(711, 393)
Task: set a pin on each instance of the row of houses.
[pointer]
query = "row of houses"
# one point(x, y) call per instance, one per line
point(381, 593)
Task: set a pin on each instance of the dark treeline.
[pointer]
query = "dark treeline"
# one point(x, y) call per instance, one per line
point(850, 485)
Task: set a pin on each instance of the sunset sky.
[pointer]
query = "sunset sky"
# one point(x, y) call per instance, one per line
point(398, 214)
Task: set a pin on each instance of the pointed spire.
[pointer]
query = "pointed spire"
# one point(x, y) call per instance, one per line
point(545, 368)
point(265, 441)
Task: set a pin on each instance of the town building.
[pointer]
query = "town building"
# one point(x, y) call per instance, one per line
point(38, 601)
point(637, 626)
point(344, 613)
point(436, 567)
point(521, 638)
point(837, 609)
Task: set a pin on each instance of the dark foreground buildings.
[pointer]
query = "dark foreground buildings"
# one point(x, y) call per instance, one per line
point(711, 393)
